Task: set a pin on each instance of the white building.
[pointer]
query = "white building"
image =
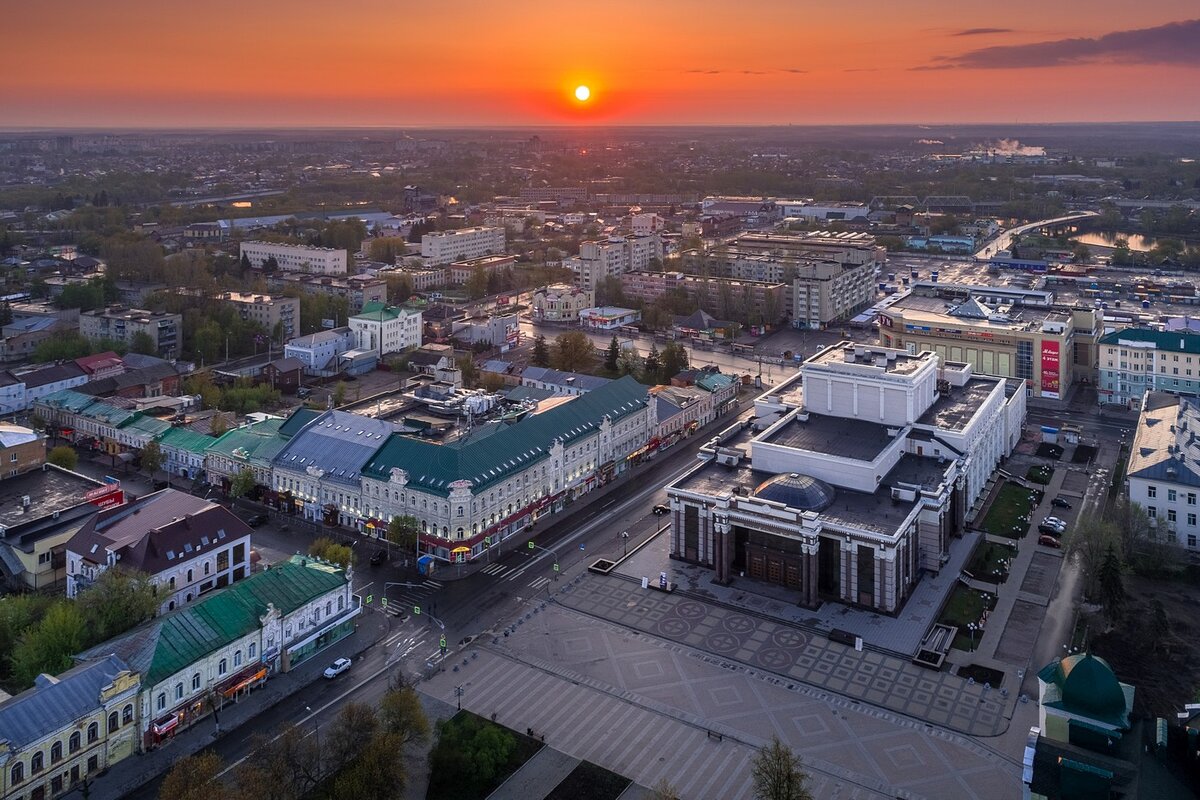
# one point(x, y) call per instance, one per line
point(559, 303)
point(385, 329)
point(646, 224)
point(1162, 474)
point(445, 247)
point(319, 351)
point(617, 255)
point(296, 257)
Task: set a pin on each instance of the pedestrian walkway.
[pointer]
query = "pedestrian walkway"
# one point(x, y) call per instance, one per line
point(537, 777)
point(128, 775)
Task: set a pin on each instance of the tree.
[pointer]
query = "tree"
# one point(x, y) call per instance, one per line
point(573, 352)
point(778, 774)
point(402, 531)
point(653, 366)
point(270, 265)
point(1160, 623)
point(192, 778)
point(339, 394)
point(143, 343)
point(244, 264)
point(243, 483)
point(477, 284)
point(629, 362)
point(351, 728)
point(377, 773)
point(288, 766)
point(218, 426)
point(612, 355)
point(1082, 253)
point(118, 600)
point(401, 713)
point(493, 383)
point(663, 790)
point(49, 647)
point(541, 352)
point(674, 360)
point(63, 456)
point(152, 458)
point(1111, 582)
point(1090, 539)
point(468, 754)
point(326, 549)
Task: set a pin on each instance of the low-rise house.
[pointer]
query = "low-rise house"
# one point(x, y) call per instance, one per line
point(561, 383)
point(21, 449)
point(319, 352)
point(284, 374)
point(183, 452)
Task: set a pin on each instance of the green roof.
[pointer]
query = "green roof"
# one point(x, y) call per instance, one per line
point(378, 311)
point(184, 439)
point(296, 422)
point(149, 425)
point(484, 459)
point(262, 440)
point(168, 644)
point(1087, 686)
point(1174, 341)
point(714, 381)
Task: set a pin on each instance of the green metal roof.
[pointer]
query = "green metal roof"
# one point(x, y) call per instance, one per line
point(1174, 341)
point(378, 311)
point(260, 441)
point(714, 381)
point(170, 643)
point(68, 400)
point(184, 439)
point(296, 422)
point(1087, 687)
point(483, 460)
point(139, 422)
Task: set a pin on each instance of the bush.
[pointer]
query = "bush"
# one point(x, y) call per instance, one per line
point(64, 456)
point(473, 756)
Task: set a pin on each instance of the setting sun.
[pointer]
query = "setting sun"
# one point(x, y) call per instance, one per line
point(582, 93)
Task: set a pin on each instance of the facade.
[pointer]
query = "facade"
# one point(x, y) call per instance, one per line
point(824, 212)
point(561, 304)
point(87, 422)
point(461, 271)
point(1161, 474)
point(615, 256)
point(850, 490)
point(67, 728)
point(825, 292)
point(745, 301)
point(187, 545)
point(319, 351)
point(183, 452)
point(446, 247)
point(267, 311)
point(251, 447)
point(421, 279)
point(502, 330)
point(844, 248)
point(296, 257)
point(122, 324)
point(218, 649)
point(357, 290)
point(21, 449)
point(561, 383)
point(45, 380)
point(386, 329)
point(474, 492)
point(646, 224)
point(608, 318)
point(1049, 346)
point(1134, 361)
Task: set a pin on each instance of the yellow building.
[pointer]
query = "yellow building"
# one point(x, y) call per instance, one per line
point(67, 728)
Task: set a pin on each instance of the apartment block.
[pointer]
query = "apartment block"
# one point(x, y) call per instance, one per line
point(122, 324)
point(296, 257)
point(268, 311)
point(615, 256)
point(446, 247)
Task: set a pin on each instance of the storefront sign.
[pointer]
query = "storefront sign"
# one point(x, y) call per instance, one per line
point(1050, 370)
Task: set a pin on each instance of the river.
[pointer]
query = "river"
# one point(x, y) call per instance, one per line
point(1137, 242)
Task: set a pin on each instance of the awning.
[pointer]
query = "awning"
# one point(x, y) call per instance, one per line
point(461, 550)
point(260, 675)
point(166, 725)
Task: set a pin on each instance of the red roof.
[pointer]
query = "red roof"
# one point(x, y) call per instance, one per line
point(100, 361)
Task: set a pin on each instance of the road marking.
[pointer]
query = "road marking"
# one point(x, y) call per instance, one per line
point(539, 583)
point(495, 569)
point(435, 584)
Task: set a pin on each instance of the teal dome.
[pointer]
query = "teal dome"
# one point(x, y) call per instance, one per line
point(1089, 686)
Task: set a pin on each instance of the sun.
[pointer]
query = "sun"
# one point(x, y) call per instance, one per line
point(582, 93)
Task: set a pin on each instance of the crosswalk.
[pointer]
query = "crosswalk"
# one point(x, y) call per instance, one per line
point(412, 595)
point(539, 583)
point(496, 570)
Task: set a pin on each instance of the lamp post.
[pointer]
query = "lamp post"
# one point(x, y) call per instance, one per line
point(971, 626)
point(458, 695)
point(624, 543)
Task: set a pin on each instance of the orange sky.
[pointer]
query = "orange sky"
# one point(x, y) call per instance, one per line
point(132, 63)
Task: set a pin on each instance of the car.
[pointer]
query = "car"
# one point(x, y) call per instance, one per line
point(660, 509)
point(337, 668)
point(1050, 530)
point(378, 557)
point(257, 520)
point(1059, 502)
point(303, 392)
point(1048, 524)
point(1056, 520)
point(1049, 541)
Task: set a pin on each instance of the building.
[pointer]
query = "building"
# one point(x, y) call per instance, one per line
point(284, 374)
point(1134, 361)
point(823, 211)
point(826, 291)
point(501, 330)
point(561, 383)
point(646, 224)
point(561, 304)
point(216, 650)
point(267, 311)
point(461, 271)
point(19, 338)
point(88, 422)
point(251, 447)
point(844, 248)
point(851, 477)
point(21, 449)
point(183, 452)
point(1049, 346)
point(121, 324)
point(613, 257)
point(422, 279)
point(160, 379)
point(319, 351)
point(744, 301)
point(44, 380)
point(446, 247)
point(751, 211)
point(296, 257)
point(472, 493)
point(67, 728)
point(384, 329)
point(101, 365)
point(608, 318)
point(187, 545)
point(357, 290)
point(1161, 474)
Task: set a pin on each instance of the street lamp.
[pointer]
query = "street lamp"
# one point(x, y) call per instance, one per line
point(458, 694)
point(624, 543)
point(971, 626)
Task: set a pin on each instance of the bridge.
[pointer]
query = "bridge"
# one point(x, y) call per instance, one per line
point(1004, 240)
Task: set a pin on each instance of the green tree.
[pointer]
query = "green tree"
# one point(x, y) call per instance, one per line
point(143, 343)
point(376, 773)
point(243, 483)
point(326, 549)
point(402, 531)
point(477, 284)
point(573, 352)
point(778, 774)
point(469, 753)
point(674, 360)
point(1082, 253)
point(401, 713)
point(1111, 582)
point(63, 456)
point(192, 778)
point(339, 394)
point(541, 351)
point(219, 425)
point(49, 647)
point(18, 614)
point(119, 599)
point(470, 373)
point(152, 458)
point(653, 366)
point(612, 355)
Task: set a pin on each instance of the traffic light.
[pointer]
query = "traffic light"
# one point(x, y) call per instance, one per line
point(416, 611)
point(487, 541)
point(383, 602)
point(531, 544)
point(556, 566)
point(370, 597)
point(443, 642)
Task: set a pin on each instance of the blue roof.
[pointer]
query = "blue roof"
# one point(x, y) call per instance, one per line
point(338, 442)
point(56, 703)
point(559, 378)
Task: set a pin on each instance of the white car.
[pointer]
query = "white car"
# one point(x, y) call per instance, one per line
point(1058, 525)
point(337, 668)
point(1056, 521)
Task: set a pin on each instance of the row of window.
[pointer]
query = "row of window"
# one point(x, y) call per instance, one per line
point(37, 761)
point(160, 702)
point(1172, 495)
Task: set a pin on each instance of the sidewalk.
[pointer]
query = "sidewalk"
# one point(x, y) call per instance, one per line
point(135, 771)
point(537, 777)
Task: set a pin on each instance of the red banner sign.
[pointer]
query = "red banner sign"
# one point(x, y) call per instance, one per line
point(1050, 369)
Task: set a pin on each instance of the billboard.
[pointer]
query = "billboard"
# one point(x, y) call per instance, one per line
point(1050, 370)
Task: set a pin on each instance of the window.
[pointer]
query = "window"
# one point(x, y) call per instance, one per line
point(56, 784)
point(75, 742)
point(114, 720)
point(252, 650)
point(93, 763)
point(13, 458)
point(1191, 520)
point(1151, 491)
point(93, 732)
point(161, 703)
point(36, 764)
point(189, 577)
point(127, 714)
point(341, 602)
point(17, 774)
point(196, 682)
point(1191, 500)
point(56, 752)
point(207, 567)
point(237, 658)
point(1151, 512)
point(179, 691)
point(222, 667)
point(1171, 495)
point(1191, 540)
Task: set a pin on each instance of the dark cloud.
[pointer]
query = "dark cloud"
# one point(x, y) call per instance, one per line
point(1174, 43)
point(982, 31)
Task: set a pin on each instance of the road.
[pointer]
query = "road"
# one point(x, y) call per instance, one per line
point(1004, 240)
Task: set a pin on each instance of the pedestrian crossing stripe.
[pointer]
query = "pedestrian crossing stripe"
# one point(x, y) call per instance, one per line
point(495, 569)
point(434, 584)
point(539, 583)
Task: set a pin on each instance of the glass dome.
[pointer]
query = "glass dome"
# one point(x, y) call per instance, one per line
point(794, 490)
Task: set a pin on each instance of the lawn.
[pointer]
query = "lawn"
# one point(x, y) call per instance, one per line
point(1039, 474)
point(1009, 513)
point(990, 562)
point(590, 782)
point(966, 605)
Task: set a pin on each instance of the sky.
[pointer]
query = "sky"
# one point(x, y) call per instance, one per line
point(402, 63)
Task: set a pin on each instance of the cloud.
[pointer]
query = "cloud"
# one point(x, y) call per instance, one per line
point(982, 31)
point(784, 71)
point(1172, 44)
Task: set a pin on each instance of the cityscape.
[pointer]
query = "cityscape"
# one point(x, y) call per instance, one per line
point(674, 409)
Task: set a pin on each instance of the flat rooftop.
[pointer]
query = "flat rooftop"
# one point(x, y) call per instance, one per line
point(48, 491)
point(896, 361)
point(954, 409)
point(850, 438)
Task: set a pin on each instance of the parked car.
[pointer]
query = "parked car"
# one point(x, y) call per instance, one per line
point(1050, 541)
point(1056, 521)
point(660, 509)
point(1050, 530)
point(303, 392)
point(257, 520)
point(337, 668)
point(1060, 502)
point(378, 557)
point(1059, 529)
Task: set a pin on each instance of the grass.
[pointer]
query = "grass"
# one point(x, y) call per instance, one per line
point(1039, 474)
point(590, 782)
point(1004, 517)
point(989, 562)
point(966, 605)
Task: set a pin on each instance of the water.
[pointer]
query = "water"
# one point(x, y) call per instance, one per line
point(1137, 242)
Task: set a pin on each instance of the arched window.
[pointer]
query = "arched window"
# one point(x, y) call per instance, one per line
point(18, 773)
point(237, 658)
point(196, 682)
point(341, 603)
point(329, 608)
point(252, 650)
point(75, 742)
point(114, 720)
point(56, 752)
point(179, 691)
point(127, 714)
point(189, 576)
point(35, 764)
point(207, 567)
point(222, 667)
point(460, 533)
point(93, 732)
point(161, 703)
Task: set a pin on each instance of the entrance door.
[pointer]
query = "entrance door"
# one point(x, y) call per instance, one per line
point(829, 567)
